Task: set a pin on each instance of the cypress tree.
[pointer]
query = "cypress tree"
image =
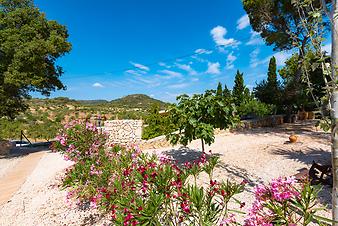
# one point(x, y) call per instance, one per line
point(272, 73)
point(238, 90)
point(226, 91)
point(219, 89)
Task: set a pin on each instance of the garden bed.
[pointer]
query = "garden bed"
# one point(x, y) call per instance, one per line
point(256, 155)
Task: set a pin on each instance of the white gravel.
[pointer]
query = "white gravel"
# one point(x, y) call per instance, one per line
point(7, 164)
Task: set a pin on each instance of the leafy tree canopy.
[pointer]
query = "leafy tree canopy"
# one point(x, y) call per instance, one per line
point(298, 90)
point(29, 47)
point(198, 115)
point(279, 22)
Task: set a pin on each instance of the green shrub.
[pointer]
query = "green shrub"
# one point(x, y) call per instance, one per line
point(254, 108)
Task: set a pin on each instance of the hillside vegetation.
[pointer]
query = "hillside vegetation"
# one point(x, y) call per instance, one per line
point(45, 117)
point(137, 101)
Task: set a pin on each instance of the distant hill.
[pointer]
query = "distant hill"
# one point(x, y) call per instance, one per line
point(128, 102)
point(93, 102)
point(137, 101)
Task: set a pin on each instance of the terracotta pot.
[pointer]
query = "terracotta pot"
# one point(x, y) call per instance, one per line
point(293, 138)
point(311, 115)
point(302, 115)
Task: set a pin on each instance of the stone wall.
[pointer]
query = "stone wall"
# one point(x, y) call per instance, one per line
point(268, 121)
point(157, 142)
point(5, 147)
point(124, 131)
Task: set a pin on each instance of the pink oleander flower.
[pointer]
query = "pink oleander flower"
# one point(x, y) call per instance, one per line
point(229, 220)
point(91, 127)
point(260, 191)
point(144, 186)
point(71, 148)
point(213, 183)
point(94, 171)
point(185, 207)
point(282, 189)
point(62, 139)
point(163, 158)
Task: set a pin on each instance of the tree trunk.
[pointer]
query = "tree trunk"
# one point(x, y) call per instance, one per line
point(334, 112)
point(202, 144)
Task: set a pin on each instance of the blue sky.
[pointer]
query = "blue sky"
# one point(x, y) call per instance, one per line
point(124, 47)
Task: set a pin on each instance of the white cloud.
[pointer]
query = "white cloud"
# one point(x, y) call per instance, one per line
point(171, 74)
point(97, 85)
point(281, 57)
point(218, 34)
point(135, 72)
point(213, 68)
point(203, 51)
point(254, 62)
point(327, 48)
point(187, 68)
point(140, 66)
point(199, 59)
point(243, 22)
point(230, 61)
point(255, 39)
point(162, 64)
point(179, 85)
point(149, 82)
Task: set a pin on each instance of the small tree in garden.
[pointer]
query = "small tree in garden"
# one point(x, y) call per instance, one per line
point(197, 116)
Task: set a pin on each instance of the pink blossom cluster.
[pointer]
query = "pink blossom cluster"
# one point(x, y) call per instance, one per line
point(62, 138)
point(230, 219)
point(94, 171)
point(278, 192)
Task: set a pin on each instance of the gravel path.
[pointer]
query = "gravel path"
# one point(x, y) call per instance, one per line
point(257, 155)
point(13, 180)
point(7, 164)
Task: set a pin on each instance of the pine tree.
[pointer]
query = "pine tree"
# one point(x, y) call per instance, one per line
point(239, 87)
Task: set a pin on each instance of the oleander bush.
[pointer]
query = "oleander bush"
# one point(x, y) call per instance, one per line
point(135, 188)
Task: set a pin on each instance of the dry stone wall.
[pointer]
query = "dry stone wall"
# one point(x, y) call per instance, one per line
point(5, 147)
point(124, 131)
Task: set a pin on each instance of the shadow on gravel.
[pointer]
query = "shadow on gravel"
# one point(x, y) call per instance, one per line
point(183, 154)
point(306, 156)
point(241, 173)
point(22, 151)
